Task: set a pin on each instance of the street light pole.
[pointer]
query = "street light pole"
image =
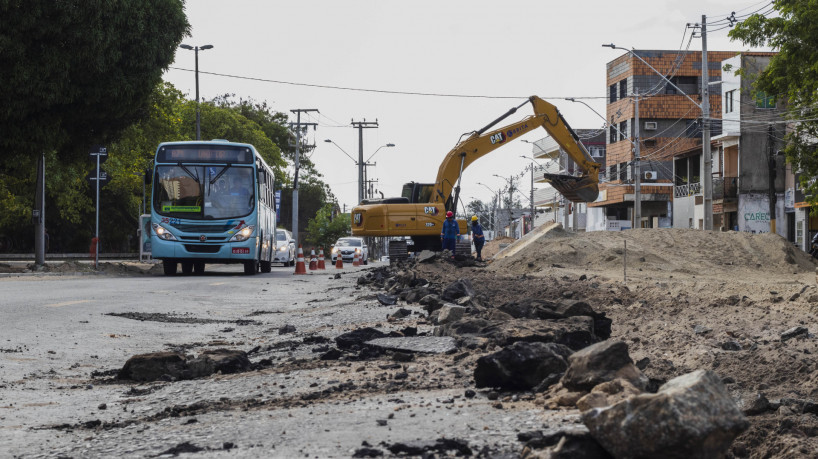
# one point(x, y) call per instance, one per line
point(198, 115)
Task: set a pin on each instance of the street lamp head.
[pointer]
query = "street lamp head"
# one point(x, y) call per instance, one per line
point(609, 45)
point(186, 46)
point(206, 47)
point(390, 144)
point(328, 140)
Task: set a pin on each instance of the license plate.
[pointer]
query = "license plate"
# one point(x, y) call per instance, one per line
point(241, 250)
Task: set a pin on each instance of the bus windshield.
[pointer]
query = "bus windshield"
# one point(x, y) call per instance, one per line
point(204, 192)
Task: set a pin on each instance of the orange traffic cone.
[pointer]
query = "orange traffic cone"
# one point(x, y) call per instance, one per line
point(355, 260)
point(313, 261)
point(299, 264)
point(339, 262)
point(321, 258)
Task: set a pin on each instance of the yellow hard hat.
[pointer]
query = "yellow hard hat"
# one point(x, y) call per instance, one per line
point(474, 218)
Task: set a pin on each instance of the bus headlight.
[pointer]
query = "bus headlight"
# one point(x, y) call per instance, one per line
point(283, 248)
point(163, 233)
point(243, 234)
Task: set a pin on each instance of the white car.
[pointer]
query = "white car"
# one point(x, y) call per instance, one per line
point(285, 248)
point(347, 246)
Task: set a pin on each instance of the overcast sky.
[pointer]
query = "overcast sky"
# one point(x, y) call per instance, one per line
point(514, 48)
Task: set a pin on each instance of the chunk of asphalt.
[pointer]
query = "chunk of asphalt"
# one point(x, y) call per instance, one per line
point(422, 344)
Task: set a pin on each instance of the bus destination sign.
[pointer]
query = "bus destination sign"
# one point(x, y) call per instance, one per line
point(179, 154)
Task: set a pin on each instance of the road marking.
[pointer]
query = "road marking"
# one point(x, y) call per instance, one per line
point(218, 283)
point(67, 303)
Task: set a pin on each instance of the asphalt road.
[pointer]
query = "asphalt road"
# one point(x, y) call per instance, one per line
point(60, 347)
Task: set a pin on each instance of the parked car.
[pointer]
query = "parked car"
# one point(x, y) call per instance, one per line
point(285, 248)
point(347, 246)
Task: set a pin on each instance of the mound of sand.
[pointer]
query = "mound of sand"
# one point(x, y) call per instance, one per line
point(661, 252)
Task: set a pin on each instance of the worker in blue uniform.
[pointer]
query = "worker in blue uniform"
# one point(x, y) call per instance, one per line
point(450, 233)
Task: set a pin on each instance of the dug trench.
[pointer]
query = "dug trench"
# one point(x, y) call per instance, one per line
point(735, 313)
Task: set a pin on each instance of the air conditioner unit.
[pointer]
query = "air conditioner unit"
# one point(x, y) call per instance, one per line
point(650, 175)
point(651, 125)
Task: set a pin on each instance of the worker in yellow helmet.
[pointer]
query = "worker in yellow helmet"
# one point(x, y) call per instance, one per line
point(477, 236)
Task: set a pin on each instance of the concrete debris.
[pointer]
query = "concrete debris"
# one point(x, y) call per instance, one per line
point(172, 366)
point(574, 332)
point(447, 447)
point(420, 344)
point(755, 404)
point(521, 366)
point(426, 256)
point(574, 443)
point(690, 416)
point(794, 332)
point(387, 300)
point(356, 338)
point(450, 313)
point(599, 363)
point(458, 289)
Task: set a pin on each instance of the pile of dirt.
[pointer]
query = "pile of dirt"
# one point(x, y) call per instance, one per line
point(661, 253)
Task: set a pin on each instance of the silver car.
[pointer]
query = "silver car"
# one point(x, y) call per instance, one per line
point(347, 246)
point(285, 248)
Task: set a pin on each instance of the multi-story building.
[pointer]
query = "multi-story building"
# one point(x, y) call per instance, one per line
point(670, 136)
point(747, 170)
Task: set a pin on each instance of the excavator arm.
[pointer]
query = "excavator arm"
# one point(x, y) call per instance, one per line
point(583, 188)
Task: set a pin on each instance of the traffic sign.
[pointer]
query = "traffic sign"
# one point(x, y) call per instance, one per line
point(99, 150)
point(104, 177)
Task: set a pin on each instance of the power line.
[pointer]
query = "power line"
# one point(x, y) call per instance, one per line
point(378, 91)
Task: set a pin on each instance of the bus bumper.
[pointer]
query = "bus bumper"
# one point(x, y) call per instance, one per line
point(222, 252)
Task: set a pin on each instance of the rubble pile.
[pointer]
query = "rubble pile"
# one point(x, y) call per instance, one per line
point(557, 321)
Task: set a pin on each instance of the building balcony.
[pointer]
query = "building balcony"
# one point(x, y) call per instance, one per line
point(725, 188)
point(690, 189)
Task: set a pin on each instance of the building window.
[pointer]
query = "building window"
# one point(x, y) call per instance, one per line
point(764, 101)
point(597, 152)
point(728, 101)
point(612, 93)
point(623, 88)
point(623, 130)
point(612, 136)
point(623, 171)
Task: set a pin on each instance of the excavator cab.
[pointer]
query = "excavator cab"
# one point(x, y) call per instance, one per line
point(418, 192)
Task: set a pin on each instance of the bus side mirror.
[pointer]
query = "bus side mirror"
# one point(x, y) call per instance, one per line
point(148, 176)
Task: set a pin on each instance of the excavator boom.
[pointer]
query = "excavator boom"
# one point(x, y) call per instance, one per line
point(577, 189)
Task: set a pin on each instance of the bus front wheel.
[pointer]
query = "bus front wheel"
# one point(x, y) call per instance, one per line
point(187, 267)
point(250, 267)
point(198, 267)
point(169, 267)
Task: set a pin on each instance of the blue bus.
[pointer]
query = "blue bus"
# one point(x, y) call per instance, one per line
point(213, 202)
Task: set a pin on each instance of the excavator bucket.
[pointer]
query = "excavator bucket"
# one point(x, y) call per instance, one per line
point(575, 189)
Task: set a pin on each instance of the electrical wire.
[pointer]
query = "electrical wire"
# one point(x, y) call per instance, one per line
point(377, 91)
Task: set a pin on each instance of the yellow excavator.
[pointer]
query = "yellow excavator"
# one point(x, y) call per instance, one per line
point(420, 211)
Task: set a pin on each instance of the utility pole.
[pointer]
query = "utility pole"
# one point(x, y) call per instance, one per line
point(39, 214)
point(637, 167)
point(298, 125)
point(532, 196)
point(771, 165)
point(361, 125)
point(708, 161)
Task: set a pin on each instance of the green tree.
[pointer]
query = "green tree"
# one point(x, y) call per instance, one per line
point(792, 75)
point(327, 226)
point(77, 73)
